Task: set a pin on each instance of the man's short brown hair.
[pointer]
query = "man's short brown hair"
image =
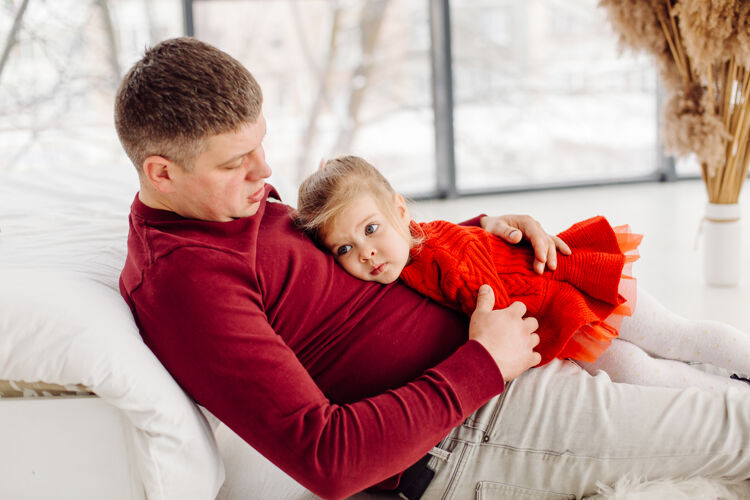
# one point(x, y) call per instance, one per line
point(181, 92)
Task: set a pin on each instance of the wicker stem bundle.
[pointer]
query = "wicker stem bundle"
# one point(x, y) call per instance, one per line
point(732, 97)
point(702, 48)
point(667, 19)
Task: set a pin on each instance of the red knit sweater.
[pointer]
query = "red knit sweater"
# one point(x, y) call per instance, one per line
point(454, 261)
point(339, 382)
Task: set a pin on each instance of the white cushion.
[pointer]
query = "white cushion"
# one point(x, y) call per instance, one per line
point(64, 328)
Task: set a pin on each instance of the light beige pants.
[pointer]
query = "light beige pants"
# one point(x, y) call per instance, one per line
point(557, 430)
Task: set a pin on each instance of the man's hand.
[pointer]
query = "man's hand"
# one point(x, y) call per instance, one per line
point(508, 337)
point(513, 228)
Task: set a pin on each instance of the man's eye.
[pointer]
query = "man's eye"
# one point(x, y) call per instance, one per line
point(371, 228)
point(343, 249)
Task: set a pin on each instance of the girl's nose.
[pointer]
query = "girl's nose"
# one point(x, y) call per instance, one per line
point(366, 254)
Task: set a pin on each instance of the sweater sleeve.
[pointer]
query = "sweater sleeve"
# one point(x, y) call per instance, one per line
point(451, 265)
point(213, 336)
point(467, 268)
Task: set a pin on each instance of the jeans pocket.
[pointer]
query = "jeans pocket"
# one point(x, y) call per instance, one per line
point(489, 490)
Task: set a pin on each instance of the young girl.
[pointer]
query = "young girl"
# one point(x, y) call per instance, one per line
point(350, 209)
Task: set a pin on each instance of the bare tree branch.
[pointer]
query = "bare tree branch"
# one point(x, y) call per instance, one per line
point(109, 30)
point(299, 29)
point(371, 21)
point(11, 40)
point(321, 98)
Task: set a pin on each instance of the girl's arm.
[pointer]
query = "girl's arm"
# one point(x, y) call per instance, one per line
point(463, 276)
point(451, 266)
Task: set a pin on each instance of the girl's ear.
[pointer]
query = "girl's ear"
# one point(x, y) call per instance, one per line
point(401, 208)
point(160, 173)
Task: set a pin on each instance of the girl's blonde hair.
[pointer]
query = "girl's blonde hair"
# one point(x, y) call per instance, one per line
point(325, 194)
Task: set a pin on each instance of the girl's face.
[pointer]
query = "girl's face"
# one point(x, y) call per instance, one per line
point(365, 242)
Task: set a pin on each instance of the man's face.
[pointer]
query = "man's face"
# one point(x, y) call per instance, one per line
point(227, 181)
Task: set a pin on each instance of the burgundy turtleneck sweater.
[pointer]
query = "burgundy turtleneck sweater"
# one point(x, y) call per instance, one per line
point(341, 383)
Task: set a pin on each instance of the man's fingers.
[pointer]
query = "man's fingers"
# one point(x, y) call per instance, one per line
point(512, 235)
point(509, 233)
point(545, 253)
point(562, 246)
point(485, 298)
point(515, 228)
point(531, 323)
point(541, 251)
point(534, 339)
point(519, 308)
point(536, 358)
point(552, 258)
point(539, 266)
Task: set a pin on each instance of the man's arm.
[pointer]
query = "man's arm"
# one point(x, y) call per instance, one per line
point(214, 337)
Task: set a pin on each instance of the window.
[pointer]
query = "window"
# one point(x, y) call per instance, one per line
point(63, 65)
point(338, 78)
point(537, 94)
point(549, 102)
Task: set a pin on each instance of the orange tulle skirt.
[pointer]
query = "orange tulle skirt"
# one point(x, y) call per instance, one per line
point(591, 340)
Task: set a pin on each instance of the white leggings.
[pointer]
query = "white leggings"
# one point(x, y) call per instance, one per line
point(655, 344)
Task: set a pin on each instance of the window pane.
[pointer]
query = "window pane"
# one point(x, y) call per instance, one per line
point(338, 78)
point(542, 96)
point(58, 84)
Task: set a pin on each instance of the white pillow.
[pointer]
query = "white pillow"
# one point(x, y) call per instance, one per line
point(63, 328)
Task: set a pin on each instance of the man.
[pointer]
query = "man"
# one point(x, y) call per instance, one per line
point(345, 384)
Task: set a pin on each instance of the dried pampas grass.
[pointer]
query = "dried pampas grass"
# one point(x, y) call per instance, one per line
point(702, 50)
point(692, 124)
point(639, 27)
point(636, 24)
point(743, 35)
point(709, 30)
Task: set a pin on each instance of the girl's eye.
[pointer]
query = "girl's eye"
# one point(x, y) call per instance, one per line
point(371, 228)
point(343, 249)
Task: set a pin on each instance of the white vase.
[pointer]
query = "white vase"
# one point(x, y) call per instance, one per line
point(722, 244)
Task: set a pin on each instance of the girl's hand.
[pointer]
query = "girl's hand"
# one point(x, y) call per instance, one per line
point(513, 228)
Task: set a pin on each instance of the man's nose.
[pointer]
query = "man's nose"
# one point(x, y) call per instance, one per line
point(258, 168)
point(264, 170)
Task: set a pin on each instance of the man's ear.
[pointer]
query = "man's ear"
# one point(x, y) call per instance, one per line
point(160, 173)
point(401, 209)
